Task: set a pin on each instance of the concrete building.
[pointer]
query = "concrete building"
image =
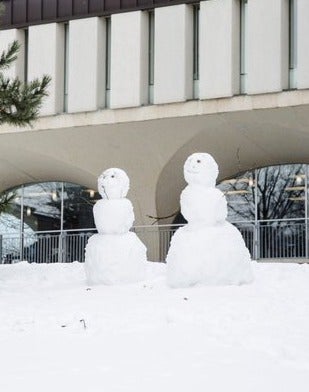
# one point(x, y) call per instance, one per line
point(142, 84)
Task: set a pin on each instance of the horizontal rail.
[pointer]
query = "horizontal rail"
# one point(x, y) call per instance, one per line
point(271, 239)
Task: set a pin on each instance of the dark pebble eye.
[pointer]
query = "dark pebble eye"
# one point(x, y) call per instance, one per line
point(113, 176)
point(198, 161)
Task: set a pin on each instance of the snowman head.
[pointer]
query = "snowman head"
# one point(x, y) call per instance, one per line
point(113, 184)
point(201, 169)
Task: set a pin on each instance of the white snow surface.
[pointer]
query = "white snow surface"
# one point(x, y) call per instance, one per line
point(58, 335)
point(115, 259)
point(115, 216)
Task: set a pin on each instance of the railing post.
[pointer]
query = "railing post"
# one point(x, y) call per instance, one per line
point(1, 239)
point(306, 238)
point(256, 240)
point(306, 213)
point(62, 247)
point(21, 247)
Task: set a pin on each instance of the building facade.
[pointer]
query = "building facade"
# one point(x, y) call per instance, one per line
point(141, 84)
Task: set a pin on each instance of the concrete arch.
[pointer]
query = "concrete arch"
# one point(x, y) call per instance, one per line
point(239, 141)
point(33, 167)
point(79, 154)
point(153, 151)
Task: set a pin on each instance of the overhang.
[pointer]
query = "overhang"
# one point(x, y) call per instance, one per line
point(151, 144)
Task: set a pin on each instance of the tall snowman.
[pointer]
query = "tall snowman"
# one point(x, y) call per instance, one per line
point(208, 250)
point(114, 255)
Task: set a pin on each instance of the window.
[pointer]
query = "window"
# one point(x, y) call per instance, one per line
point(46, 222)
point(47, 206)
point(243, 45)
point(108, 62)
point(66, 67)
point(151, 37)
point(269, 206)
point(196, 16)
point(292, 44)
point(26, 55)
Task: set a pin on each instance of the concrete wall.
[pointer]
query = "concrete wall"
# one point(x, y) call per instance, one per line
point(129, 59)
point(303, 44)
point(267, 46)
point(219, 48)
point(46, 56)
point(86, 79)
point(6, 38)
point(173, 80)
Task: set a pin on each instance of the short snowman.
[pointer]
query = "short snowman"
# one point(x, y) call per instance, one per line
point(208, 250)
point(114, 255)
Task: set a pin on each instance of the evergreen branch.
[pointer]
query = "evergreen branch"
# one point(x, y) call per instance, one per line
point(6, 200)
point(20, 103)
point(9, 56)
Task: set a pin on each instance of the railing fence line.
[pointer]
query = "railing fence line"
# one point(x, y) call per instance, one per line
point(275, 239)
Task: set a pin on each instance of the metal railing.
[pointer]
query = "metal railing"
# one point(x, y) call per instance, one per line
point(276, 239)
point(273, 239)
point(45, 247)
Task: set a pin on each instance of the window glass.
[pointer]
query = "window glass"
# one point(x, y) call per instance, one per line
point(240, 196)
point(281, 192)
point(77, 207)
point(10, 226)
point(42, 206)
point(10, 210)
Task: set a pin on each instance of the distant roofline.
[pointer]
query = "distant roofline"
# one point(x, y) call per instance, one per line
point(24, 13)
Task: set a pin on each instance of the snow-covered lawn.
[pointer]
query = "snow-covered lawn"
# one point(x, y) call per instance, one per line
point(58, 335)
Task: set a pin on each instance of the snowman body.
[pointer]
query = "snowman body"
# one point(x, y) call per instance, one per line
point(114, 216)
point(208, 250)
point(199, 213)
point(114, 255)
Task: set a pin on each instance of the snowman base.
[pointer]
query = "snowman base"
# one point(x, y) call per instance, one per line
point(209, 255)
point(115, 259)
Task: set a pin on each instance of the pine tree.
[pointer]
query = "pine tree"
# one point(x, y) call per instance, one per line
point(19, 102)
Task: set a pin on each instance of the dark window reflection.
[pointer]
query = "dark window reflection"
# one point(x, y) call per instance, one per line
point(240, 196)
point(48, 206)
point(42, 206)
point(270, 210)
point(281, 192)
point(278, 192)
point(77, 207)
point(10, 211)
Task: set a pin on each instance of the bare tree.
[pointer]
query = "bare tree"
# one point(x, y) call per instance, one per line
point(280, 192)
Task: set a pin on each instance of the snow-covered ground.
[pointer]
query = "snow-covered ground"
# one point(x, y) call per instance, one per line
point(58, 335)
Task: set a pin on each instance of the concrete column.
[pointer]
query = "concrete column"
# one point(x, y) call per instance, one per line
point(302, 44)
point(46, 56)
point(268, 44)
point(129, 59)
point(86, 79)
point(173, 75)
point(219, 48)
point(6, 38)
